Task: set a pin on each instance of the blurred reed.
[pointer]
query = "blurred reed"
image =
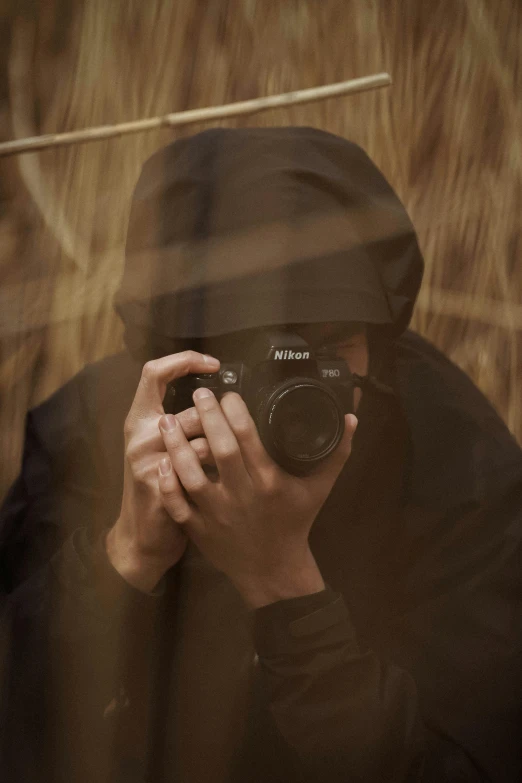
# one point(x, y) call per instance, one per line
point(446, 135)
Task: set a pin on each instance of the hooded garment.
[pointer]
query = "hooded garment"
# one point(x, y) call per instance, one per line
point(408, 667)
point(235, 229)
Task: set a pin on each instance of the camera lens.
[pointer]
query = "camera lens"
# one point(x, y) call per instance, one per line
point(302, 422)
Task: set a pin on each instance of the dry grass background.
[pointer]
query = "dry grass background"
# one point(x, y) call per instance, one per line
point(447, 135)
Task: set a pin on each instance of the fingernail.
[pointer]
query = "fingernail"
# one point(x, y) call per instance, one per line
point(165, 466)
point(202, 392)
point(167, 422)
point(211, 360)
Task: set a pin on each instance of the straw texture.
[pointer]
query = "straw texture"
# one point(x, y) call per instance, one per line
point(447, 135)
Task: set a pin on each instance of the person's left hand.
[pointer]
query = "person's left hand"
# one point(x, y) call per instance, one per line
point(252, 523)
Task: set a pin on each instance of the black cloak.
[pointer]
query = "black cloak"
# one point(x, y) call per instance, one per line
point(408, 667)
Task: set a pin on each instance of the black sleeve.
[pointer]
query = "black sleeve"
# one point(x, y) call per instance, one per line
point(346, 714)
point(445, 705)
point(69, 622)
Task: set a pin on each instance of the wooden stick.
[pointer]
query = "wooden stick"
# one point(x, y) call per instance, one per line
point(19, 146)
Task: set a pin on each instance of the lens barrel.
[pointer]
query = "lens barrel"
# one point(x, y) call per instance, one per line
point(300, 422)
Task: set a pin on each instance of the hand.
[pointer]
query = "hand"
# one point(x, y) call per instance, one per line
point(144, 543)
point(253, 523)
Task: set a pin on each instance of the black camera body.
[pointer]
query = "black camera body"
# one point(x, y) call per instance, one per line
point(297, 399)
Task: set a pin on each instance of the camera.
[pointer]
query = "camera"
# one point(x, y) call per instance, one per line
point(297, 399)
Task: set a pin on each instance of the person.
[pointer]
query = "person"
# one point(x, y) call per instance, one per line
point(177, 605)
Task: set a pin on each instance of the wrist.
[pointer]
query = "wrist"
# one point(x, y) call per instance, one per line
point(139, 572)
point(298, 577)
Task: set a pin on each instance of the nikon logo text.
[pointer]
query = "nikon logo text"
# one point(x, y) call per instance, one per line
point(292, 355)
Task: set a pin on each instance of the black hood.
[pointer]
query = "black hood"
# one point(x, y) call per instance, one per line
point(235, 229)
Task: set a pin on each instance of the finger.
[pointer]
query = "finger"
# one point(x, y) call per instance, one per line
point(190, 423)
point(184, 459)
point(157, 373)
point(332, 466)
point(255, 456)
point(202, 449)
point(145, 442)
point(221, 439)
point(174, 499)
point(147, 439)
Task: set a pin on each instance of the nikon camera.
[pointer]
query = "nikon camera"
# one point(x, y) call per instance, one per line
point(297, 399)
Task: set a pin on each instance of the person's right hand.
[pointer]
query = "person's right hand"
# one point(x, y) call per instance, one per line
point(145, 542)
